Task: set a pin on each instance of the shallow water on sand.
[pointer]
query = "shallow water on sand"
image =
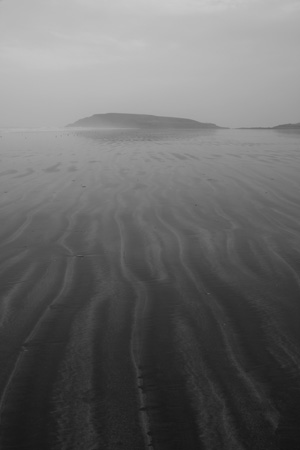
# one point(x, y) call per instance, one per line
point(149, 290)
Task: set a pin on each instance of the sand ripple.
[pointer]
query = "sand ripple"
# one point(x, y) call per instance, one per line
point(150, 290)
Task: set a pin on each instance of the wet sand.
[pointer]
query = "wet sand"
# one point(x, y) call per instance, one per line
point(150, 290)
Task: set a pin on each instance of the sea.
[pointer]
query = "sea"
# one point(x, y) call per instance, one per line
point(149, 289)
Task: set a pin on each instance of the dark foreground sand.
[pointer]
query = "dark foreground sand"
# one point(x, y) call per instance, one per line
point(150, 290)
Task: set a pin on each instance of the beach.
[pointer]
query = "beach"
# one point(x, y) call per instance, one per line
point(149, 289)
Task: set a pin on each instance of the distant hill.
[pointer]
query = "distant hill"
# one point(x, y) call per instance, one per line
point(287, 126)
point(119, 120)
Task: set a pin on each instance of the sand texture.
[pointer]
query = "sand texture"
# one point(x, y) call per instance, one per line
point(149, 290)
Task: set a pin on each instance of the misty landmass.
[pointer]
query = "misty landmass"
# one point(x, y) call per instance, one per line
point(285, 126)
point(288, 126)
point(120, 120)
point(144, 121)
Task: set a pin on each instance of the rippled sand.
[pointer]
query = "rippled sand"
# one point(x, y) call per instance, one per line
point(150, 290)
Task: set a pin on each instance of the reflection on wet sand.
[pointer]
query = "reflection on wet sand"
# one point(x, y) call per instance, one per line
point(150, 290)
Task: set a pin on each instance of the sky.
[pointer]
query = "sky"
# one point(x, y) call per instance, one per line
point(230, 62)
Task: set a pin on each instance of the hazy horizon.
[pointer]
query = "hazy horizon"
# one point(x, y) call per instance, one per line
point(229, 62)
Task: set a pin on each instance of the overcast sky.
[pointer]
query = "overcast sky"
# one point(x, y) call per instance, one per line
point(231, 62)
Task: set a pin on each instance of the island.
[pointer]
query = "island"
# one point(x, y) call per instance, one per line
point(286, 126)
point(122, 120)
